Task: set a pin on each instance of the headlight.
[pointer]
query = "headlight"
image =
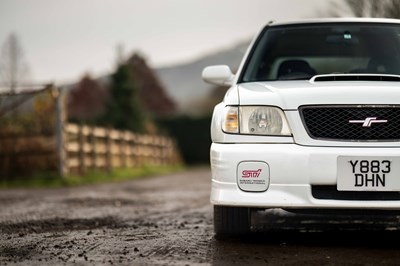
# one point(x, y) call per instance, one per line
point(255, 120)
point(263, 120)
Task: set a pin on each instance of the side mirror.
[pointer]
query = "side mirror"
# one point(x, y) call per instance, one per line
point(220, 75)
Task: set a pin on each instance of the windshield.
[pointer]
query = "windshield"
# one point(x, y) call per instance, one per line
point(300, 52)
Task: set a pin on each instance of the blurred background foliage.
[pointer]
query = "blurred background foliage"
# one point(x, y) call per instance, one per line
point(30, 113)
point(372, 8)
point(192, 135)
point(124, 109)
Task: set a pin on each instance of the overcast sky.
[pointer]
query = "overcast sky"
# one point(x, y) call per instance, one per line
point(62, 40)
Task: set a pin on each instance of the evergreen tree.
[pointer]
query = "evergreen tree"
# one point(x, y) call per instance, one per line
point(124, 110)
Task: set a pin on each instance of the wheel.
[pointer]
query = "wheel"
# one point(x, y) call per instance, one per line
point(231, 221)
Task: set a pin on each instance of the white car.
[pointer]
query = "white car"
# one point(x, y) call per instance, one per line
point(311, 122)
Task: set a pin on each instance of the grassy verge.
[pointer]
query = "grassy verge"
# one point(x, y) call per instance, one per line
point(90, 177)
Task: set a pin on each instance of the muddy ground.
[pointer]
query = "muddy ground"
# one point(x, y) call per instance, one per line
point(167, 220)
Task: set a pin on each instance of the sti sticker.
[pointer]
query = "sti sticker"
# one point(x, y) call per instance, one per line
point(253, 176)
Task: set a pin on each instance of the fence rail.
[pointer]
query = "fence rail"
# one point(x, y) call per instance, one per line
point(102, 148)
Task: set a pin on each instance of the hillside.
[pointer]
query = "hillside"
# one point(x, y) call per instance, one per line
point(183, 82)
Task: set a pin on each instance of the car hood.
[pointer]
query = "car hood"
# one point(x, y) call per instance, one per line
point(289, 95)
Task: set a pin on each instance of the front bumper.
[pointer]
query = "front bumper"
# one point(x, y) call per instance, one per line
point(293, 170)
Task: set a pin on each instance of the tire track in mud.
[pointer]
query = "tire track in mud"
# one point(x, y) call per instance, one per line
point(59, 225)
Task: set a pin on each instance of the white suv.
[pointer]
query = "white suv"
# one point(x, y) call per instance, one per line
point(311, 122)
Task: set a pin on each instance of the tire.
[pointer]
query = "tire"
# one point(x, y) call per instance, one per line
point(231, 221)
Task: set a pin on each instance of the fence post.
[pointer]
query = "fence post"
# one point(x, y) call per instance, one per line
point(122, 149)
point(108, 150)
point(59, 95)
point(92, 137)
point(81, 140)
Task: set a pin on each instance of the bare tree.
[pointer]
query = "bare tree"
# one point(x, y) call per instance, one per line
point(13, 68)
point(371, 8)
point(393, 10)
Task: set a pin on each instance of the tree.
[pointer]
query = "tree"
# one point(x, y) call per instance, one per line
point(152, 93)
point(87, 100)
point(13, 68)
point(124, 110)
point(374, 8)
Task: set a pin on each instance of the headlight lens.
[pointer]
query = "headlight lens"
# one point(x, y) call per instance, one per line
point(256, 120)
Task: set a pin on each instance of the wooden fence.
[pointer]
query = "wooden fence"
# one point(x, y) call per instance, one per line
point(71, 148)
point(27, 155)
point(101, 148)
point(83, 148)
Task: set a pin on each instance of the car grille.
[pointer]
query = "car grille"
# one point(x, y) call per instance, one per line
point(331, 193)
point(333, 122)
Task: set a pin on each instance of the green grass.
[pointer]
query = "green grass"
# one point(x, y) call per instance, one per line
point(45, 180)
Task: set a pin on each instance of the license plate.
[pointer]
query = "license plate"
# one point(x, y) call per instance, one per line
point(366, 173)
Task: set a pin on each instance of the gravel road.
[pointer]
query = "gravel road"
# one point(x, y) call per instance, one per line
point(167, 220)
